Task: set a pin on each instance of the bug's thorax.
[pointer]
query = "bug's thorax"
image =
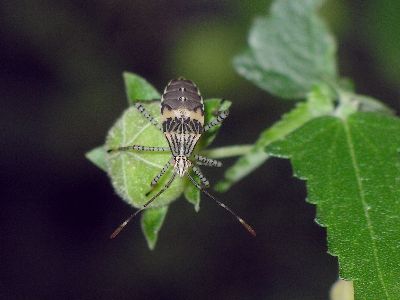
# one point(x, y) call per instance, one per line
point(182, 116)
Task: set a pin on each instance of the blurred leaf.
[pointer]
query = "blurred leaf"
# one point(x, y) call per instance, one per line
point(98, 157)
point(290, 50)
point(352, 170)
point(138, 89)
point(319, 102)
point(197, 53)
point(132, 172)
point(370, 104)
point(152, 221)
point(381, 28)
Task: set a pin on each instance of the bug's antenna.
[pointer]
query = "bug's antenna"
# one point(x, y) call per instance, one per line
point(123, 224)
point(243, 222)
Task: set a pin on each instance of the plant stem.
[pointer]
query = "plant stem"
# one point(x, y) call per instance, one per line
point(228, 151)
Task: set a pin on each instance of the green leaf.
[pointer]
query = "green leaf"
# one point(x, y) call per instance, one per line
point(152, 221)
point(98, 157)
point(192, 194)
point(319, 102)
point(132, 172)
point(138, 89)
point(290, 50)
point(352, 170)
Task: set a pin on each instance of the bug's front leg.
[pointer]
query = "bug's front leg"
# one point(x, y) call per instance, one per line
point(147, 115)
point(139, 148)
point(159, 175)
point(218, 120)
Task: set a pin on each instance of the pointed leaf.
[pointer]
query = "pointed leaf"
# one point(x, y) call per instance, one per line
point(352, 170)
point(152, 221)
point(192, 194)
point(290, 50)
point(319, 103)
point(139, 89)
point(98, 157)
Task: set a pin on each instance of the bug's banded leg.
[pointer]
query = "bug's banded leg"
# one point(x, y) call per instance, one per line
point(147, 115)
point(209, 162)
point(162, 172)
point(159, 175)
point(204, 181)
point(139, 148)
point(122, 226)
point(218, 120)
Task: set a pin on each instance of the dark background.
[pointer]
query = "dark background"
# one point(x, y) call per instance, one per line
point(61, 90)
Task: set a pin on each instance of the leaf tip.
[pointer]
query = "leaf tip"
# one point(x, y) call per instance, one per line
point(97, 157)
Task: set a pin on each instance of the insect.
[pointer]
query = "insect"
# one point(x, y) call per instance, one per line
point(182, 122)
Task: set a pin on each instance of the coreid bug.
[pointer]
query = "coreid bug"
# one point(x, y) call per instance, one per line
point(182, 122)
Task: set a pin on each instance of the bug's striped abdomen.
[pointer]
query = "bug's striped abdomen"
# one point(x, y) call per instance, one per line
point(182, 116)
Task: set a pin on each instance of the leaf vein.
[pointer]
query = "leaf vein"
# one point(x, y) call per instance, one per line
point(137, 134)
point(364, 205)
point(138, 157)
point(124, 176)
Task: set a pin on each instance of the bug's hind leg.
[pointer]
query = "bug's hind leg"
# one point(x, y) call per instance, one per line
point(204, 181)
point(122, 226)
point(209, 162)
point(147, 115)
point(139, 148)
point(218, 120)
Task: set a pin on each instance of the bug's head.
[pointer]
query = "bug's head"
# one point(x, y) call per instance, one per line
point(181, 165)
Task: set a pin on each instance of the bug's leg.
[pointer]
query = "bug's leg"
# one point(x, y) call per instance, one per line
point(147, 115)
point(218, 120)
point(241, 220)
point(209, 162)
point(122, 226)
point(204, 181)
point(162, 172)
point(139, 148)
point(159, 175)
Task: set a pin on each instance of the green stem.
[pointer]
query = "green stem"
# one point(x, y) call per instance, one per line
point(228, 151)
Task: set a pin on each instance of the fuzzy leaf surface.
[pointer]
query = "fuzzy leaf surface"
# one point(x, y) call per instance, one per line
point(353, 177)
point(131, 172)
point(290, 50)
